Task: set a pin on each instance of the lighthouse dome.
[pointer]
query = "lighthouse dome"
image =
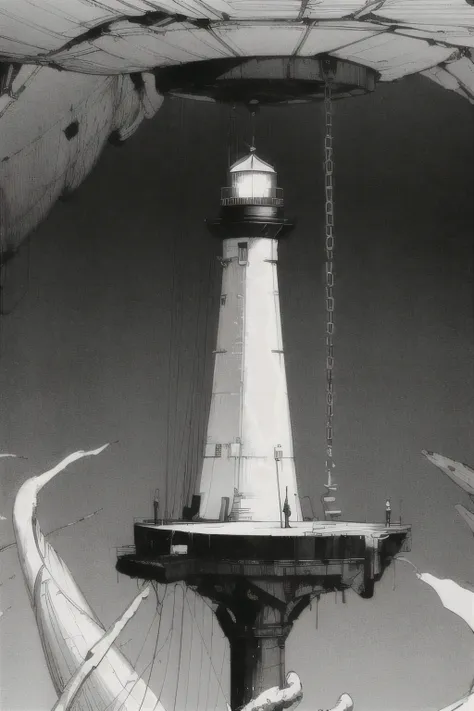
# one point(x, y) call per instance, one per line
point(252, 163)
point(253, 178)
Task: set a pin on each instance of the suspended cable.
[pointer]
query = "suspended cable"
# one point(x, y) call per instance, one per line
point(253, 112)
point(174, 364)
point(169, 636)
point(201, 654)
point(170, 355)
point(186, 430)
point(194, 412)
point(182, 460)
point(231, 140)
point(189, 663)
point(55, 530)
point(188, 422)
point(220, 677)
point(192, 424)
point(111, 704)
point(193, 450)
point(199, 411)
point(157, 611)
point(238, 139)
point(155, 650)
point(330, 511)
point(175, 469)
point(138, 679)
point(73, 523)
point(180, 650)
point(209, 654)
point(202, 401)
point(210, 662)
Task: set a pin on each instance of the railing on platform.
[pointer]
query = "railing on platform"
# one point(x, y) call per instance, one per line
point(160, 521)
point(125, 550)
point(273, 197)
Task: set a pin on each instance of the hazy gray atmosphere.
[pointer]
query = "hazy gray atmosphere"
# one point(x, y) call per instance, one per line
point(85, 359)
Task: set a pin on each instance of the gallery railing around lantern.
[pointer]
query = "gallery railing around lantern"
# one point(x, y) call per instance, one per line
point(272, 197)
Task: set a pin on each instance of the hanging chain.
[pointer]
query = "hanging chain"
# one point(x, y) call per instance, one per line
point(329, 276)
point(252, 127)
point(232, 138)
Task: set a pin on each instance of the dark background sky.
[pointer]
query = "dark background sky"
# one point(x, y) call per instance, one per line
point(85, 360)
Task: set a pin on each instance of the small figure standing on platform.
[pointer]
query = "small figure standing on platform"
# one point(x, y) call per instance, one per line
point(388, 512)
point(156, 507)
point(287, 510)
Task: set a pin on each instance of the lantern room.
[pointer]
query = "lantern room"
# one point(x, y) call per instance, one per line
point(252, 205)
point(253, 182)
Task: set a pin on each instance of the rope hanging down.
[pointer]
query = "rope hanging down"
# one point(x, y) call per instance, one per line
point(328, 499)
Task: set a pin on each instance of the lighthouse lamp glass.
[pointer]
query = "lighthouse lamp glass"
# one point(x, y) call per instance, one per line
point(253, 185)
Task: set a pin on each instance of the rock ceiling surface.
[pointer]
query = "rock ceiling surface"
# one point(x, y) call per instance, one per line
point(64, 66)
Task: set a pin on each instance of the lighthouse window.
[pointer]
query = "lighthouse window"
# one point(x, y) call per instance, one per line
point(218, 450)
point(243, 252)
point(235, 449)
point(71, 130)
point(278, 453)
point(223, 299)
point(250, 184)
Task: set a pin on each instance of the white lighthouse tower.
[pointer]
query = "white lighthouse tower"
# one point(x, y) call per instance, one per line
point(248, 471)
point(238, 544)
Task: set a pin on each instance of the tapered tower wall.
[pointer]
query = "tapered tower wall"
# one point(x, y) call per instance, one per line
point(248, 453)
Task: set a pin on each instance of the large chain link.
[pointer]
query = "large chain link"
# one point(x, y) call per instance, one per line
point(329, 277)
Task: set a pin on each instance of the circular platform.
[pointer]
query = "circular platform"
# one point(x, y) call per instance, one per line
point(264, 80)
point(273, 528)
point(333, 555)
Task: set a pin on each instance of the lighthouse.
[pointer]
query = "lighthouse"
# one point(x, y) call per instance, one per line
point(248, 466)
point(242, 543)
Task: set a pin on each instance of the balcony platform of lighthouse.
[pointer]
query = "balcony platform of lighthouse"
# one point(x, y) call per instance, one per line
point(332, 555)
point(232, 546)
point(259, 577)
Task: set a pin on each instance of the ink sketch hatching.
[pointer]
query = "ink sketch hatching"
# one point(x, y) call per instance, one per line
point(236, 347)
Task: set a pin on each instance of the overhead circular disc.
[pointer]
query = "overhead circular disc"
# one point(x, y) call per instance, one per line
point(264, 80)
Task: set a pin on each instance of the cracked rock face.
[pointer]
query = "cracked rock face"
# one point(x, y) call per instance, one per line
point(94, 69)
